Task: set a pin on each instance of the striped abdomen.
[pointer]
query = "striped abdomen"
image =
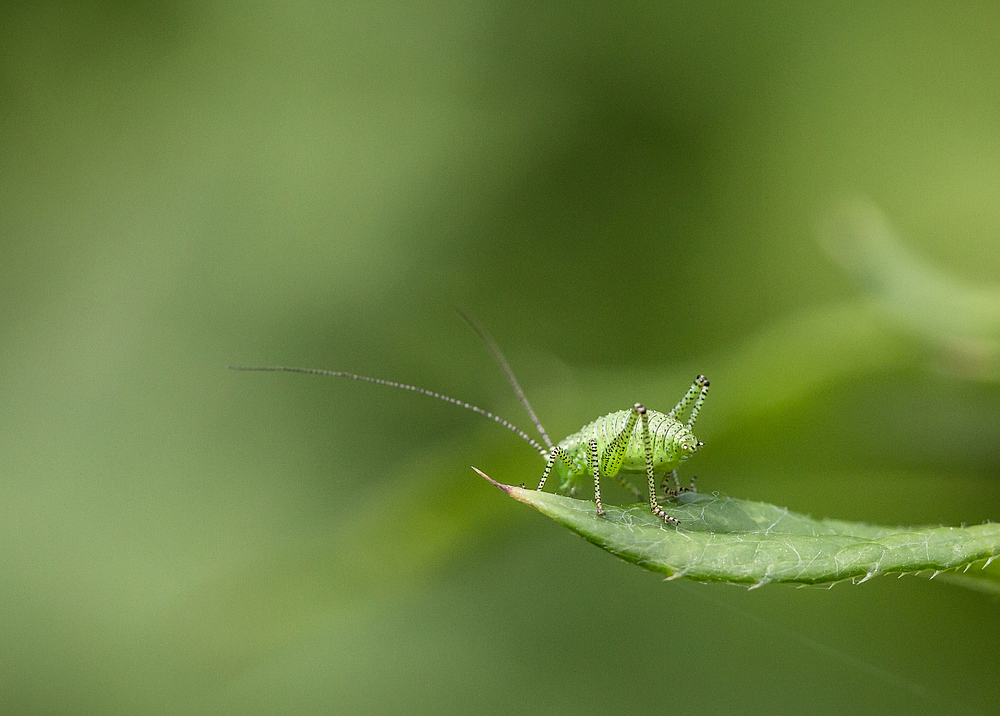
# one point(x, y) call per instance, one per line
point(667, 435)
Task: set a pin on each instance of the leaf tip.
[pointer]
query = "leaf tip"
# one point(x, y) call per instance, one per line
point(505, 488)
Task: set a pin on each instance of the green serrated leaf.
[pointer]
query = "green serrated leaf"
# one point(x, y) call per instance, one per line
point(722, 539)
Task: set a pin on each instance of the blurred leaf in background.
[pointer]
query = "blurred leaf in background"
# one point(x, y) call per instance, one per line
point(958, 321)
point(625, 196)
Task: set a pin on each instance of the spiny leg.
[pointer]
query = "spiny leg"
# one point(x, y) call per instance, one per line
point(647, 446)
point(595, 466)
point(695, 394)
point(556, 453)
point(614, 453)
point(677, 485)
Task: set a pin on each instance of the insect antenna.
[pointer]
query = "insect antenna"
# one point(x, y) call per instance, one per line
point(505, 367)
point(393, 384)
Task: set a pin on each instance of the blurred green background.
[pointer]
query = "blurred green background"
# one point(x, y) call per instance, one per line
point(625, 196)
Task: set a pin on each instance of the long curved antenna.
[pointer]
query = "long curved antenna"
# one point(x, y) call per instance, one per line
point(404, 386)
point(505, 367)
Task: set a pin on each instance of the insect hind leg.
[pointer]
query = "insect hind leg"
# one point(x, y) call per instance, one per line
point(695, 395)
point(615, 452)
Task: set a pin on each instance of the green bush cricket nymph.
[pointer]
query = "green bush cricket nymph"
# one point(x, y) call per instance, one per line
point(632, 441)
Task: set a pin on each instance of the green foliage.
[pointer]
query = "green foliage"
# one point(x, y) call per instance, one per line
point(722, 539)
point(626, 194)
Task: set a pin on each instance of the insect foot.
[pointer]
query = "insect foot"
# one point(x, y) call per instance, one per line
point(658, 511)
point(677, 489)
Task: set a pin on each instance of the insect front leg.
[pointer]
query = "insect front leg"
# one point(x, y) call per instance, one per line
point(677, 485)
point(665, 486)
